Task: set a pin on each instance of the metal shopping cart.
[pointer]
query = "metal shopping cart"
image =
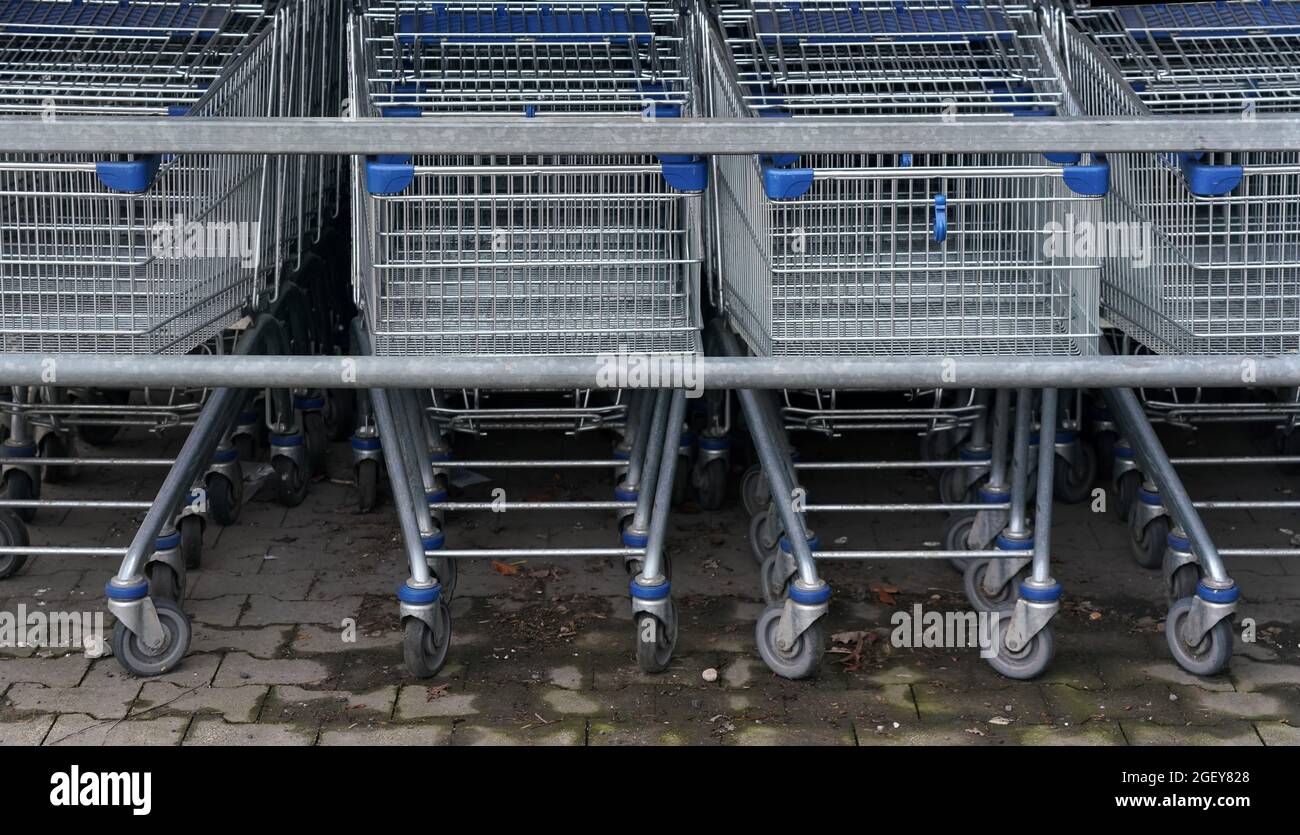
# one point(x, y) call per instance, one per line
point(593, 255)
point(903, 254)
point(141, 254)
point(1222, 275)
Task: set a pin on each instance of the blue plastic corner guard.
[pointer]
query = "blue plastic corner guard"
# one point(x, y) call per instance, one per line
point(786, 183)
point(1064, 159)
point(1092, 180)
point(690, 176)
point(392, 173)
point(129, 176)
point(1205, 180)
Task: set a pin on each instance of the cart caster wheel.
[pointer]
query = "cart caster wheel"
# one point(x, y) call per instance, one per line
point(711, 484)
point(1073, 484)
point(191, 529)
point(340, 414)
point(953, 488)
point(761, 545)
point(1148, 546)
point(1103, 447)
point(1182, 583)
point(367, 485)
point(1208, 657)
point(1004, 600)
point(245, 447)
point(448, 573)
point(1126, 494)
point(102, 435)
point(682, 480)
point(1032, 658)
point(316, 438)
point(655, 641)
point(19, 486)
point(754, 492)
point(425, 654)
point(955, 536)
point(634, 567)
point(801, 660)
point(164, 583)
point(138, 659)
point(775, 587)
point(53, 445)
point(290, 481)
point(223, 500)
point(12, 533)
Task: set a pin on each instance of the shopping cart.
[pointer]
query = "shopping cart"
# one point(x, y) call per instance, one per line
point(904, 254)
point(556, 254)
point(142, 254)
point(1222, 275)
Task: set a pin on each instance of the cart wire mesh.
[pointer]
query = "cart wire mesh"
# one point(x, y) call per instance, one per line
point(556, 253)
point(899, 253)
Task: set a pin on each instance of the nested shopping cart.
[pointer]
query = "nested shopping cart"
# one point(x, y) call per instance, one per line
point(140, 254)
point(904, 254)
point(554, 254)
point(1222, 276)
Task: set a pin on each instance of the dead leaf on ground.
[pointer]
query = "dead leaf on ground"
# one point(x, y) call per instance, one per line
point(504, 568)
point(884, 593)
point(437, 691)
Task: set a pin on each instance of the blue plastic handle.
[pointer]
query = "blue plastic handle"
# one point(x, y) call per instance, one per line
point(940, 218)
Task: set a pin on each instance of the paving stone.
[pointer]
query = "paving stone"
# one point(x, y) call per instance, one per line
point(81, 730)
point(938, 703)
point(263, 610)
point(571, 703)
point(61, 671)
point(1170, 672)
point(423, 735)
point(290, 585)
point(803, 734)
point(261, 642)
point(212, 731)
point(1277, 733)
point(193, 671)
point(1225, 733)
point(641, 734)
point(29, 731)
point(241, 668)
point(1252, 675)
point(1089, 733)
point(1210, 707)
point(234, 704)
point(290, 703)
point(314, 638)
point(561, 733)
point(568, 677)
point(1150, 702)
point(217, 611)
point(102, 701)
point(414, 702)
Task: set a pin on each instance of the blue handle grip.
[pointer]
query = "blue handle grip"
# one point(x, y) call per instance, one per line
point(940, 218)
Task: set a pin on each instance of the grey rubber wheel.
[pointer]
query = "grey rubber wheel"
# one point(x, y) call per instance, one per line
point(655, 641)
point(1032, 658)
point(1073, 484)
point(761, 544)
point(139, 660)
point(317, 440)
point(802, 660)
point(711, 484)
point(164, 584)
point(955, 535)
point(448, 573)
point(367, 484)
point(425, 654)
point(1182, 583)
point(953, 486)
point(775, 586)
point(12, 533)
point(1207, 658)
point(19, 486)
point(1126, 492)
point(754, 492)
point(291, 481)
point(224, 500)
point(191, 529)
point(1148, 547)
point(54, 445)
point(973, 584)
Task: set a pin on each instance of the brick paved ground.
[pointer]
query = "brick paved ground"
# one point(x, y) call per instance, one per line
point(545, 656)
